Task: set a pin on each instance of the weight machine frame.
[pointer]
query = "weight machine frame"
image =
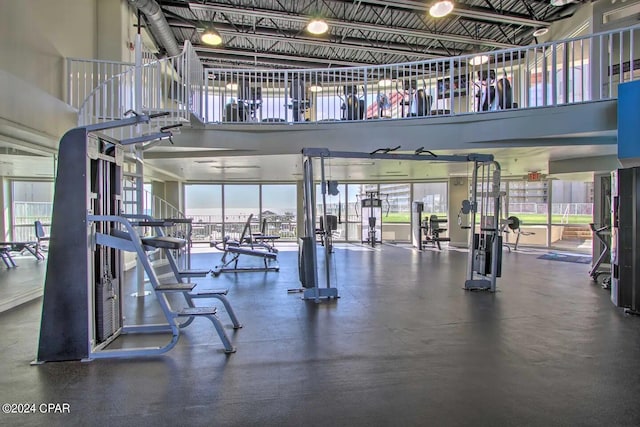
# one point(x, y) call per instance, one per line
point(82, 309)
point(489, 233)
point(372, 202)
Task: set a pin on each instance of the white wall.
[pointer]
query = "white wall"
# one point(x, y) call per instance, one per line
point(458, 191)
point(603, 6)
point(565, 28)
point(36, 37)
point(116, 31)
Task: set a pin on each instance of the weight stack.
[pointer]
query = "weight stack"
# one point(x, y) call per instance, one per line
point(107, 309)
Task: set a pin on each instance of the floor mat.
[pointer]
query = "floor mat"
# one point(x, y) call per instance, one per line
point(553, 256)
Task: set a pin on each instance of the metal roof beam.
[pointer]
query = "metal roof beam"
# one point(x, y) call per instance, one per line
point(294, 37)
point(350, 44)
point(284, 57)
point(465, 12)
point(366, 27)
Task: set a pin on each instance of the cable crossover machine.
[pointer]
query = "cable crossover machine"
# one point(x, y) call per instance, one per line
point(483, 205)
point(82, 310)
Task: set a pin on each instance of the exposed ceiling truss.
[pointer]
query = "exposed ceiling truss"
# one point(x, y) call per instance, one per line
point(271, 33)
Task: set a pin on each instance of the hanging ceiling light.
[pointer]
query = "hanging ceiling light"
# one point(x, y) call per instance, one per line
point(211, 37)
point(540, 32)
point(315, 88)
point(317, 26)
point(441, 8)
point(479, 60)
point(560, 3)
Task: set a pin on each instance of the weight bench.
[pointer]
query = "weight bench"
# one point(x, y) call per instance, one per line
point(7, 247)
point(261, 238)
point(5, 254)
point(245, 246)
point(234, 250)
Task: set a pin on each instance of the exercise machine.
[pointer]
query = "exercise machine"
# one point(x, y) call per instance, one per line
point(426, 230)
point(415, 102)
point(300, 99)
point(625, 221)
point(384, 105)
point(597, 271)
point(432, 230)
point(513, 225)
point(245, 104)
point(493, 93)
point(352, 106)
point(248, 245)
point(484, 205)
point(371, 218)
point(485, 240)
point(326, 230)
point(82, 309)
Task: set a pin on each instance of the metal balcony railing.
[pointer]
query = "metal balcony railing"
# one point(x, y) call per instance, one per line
point(170, 85)
point(581, 69)
point(84, 75)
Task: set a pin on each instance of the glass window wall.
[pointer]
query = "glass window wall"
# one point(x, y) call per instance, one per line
point(32, 201)
point(203, 203)
point(529, 202)
point(240, 201)
point(571, 213)
point(279, 205)
point(222, 210)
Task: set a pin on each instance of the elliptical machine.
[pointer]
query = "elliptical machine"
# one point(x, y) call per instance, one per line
point(352, 106)
point(493, 94)
point(300, 99)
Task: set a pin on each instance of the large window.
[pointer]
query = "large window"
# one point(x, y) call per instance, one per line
point(528, 201)
point(572, 202)
point(571, 213)
point(32, 201)
point(336, 205)
point(354, 212)
point(396, 203)
point(434, 197)
point(222, 210)
point(279, 210)
point(203, 203)
point(240, 201)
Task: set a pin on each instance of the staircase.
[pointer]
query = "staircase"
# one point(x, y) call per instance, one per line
point(576, 232)
point(171, 86)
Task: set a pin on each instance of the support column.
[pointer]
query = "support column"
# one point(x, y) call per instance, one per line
point(5, 218)
point(299, 209)
point(173, 194)
point(458, 190)
point(157, 191)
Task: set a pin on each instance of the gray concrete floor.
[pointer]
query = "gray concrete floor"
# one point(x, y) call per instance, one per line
point(404, 345)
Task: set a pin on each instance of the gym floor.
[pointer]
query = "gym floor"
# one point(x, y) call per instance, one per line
point(404, 345)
